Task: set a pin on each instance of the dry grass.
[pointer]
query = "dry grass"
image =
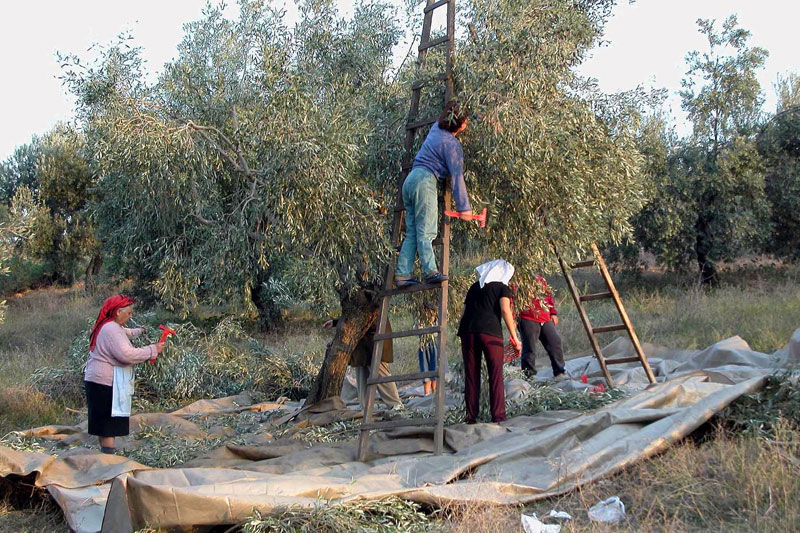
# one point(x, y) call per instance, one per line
point(37, 333)
point(481, 518)
point(24, 509)
point(38, 330)
point(725, 484)
point(22, 407)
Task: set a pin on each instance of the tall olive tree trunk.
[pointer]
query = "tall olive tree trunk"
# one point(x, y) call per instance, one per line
point(92, 270)
point(269, 316)
point(359, 313)
point(703, 247)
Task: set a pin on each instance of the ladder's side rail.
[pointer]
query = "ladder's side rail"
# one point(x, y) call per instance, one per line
point(377, 354)
point(442, 335)
point(573, 290)
point(451, 36)
point(623, 313)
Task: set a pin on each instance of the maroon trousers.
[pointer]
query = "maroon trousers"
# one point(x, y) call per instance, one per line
point(472, 346)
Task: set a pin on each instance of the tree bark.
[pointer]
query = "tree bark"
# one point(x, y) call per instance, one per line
point(359, 313)
point(92, 270)
point(707, 268)
point(269, 316)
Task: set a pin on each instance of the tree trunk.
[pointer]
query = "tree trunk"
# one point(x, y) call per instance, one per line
point(707, 268)
point(359, 313)
point(92, 270)
point(269, 316)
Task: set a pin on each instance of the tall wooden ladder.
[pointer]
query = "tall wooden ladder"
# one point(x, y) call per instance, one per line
point(413, 125)
point(626, 325)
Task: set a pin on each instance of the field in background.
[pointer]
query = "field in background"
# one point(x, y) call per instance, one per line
point(726, 481)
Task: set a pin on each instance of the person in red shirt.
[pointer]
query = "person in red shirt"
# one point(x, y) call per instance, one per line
point(538, 322)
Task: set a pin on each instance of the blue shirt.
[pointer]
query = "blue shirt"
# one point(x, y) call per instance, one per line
point(441, 154)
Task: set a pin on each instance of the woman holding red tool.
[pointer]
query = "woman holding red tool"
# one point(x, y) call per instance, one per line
point(488, 299)
point(440, 155)
point(108, 379)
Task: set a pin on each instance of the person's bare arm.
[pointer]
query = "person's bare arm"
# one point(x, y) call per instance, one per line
point(511, 324)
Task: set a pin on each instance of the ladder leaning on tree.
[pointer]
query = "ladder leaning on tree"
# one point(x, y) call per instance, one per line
point(413, 125)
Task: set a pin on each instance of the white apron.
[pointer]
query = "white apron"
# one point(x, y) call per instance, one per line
point(122, 391)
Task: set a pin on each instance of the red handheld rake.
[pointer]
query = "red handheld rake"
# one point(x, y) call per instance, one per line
point(481, 218)
point(165, 332)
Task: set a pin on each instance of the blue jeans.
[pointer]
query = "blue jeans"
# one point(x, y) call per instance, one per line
point(420, 201)
point(427, 358)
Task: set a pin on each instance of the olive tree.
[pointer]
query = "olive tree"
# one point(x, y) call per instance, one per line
point(778, 143)
point(723, 99)
point(269, 152)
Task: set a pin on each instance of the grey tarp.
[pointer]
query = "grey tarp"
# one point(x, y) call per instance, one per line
point(519, 461)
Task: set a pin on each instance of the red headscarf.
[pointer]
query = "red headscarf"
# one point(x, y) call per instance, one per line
point(107, 313)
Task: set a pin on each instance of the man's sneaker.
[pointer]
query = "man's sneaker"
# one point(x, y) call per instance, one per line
point(435, 277)
point(561, 377)
point(402, 283)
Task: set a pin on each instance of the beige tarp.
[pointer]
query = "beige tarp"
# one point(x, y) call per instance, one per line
point(521, 460)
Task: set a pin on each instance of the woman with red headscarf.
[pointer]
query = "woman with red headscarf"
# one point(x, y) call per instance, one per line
point(111, 351)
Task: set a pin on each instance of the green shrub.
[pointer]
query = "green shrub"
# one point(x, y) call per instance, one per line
point(194, 364)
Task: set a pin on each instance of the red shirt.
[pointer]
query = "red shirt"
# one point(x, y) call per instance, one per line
point(536, 311)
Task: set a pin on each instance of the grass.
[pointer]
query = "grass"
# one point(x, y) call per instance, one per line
point(728, 483)
point(378, 516)
point(37, 333)
point(24, 510)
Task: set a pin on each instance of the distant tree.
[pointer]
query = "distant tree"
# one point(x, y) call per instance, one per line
point(779, 145)
point(723, 99)
point(54, 170)
point(20, 169)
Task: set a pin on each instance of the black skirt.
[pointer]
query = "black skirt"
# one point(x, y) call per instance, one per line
point(101, 423)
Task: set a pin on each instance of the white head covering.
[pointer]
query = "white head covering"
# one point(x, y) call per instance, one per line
point(495, 270)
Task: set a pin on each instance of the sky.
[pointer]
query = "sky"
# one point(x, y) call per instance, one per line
point(647, 45)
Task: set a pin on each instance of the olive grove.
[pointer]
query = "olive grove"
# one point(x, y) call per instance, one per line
point(265, 157)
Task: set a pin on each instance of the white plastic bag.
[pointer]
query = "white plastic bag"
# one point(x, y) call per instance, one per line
point(610, 510)
point(532, 524)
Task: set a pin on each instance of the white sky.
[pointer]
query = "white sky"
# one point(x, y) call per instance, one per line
point(648, 43)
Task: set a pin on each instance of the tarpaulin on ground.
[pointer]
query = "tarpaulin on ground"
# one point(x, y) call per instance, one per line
point(518, 461)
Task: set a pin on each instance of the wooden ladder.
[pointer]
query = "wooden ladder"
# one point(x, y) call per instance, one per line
point(592, 331)
point(413, 125)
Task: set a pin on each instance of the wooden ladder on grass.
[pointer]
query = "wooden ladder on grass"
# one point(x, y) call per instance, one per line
point(612, 293)
point(413, 125)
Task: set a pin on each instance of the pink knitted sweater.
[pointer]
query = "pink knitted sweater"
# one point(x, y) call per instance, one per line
point(113, 348)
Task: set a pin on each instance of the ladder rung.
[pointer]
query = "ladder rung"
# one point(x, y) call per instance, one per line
point(405, 422)
point(421, 123)
point(435, 42)
point(413, 288)
point(434, 5)
point(403, 377)
point(420, 83)
point(407, 333)
point(604, 329)
point(621, 360)
point(596, 296)
point(583, 264)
